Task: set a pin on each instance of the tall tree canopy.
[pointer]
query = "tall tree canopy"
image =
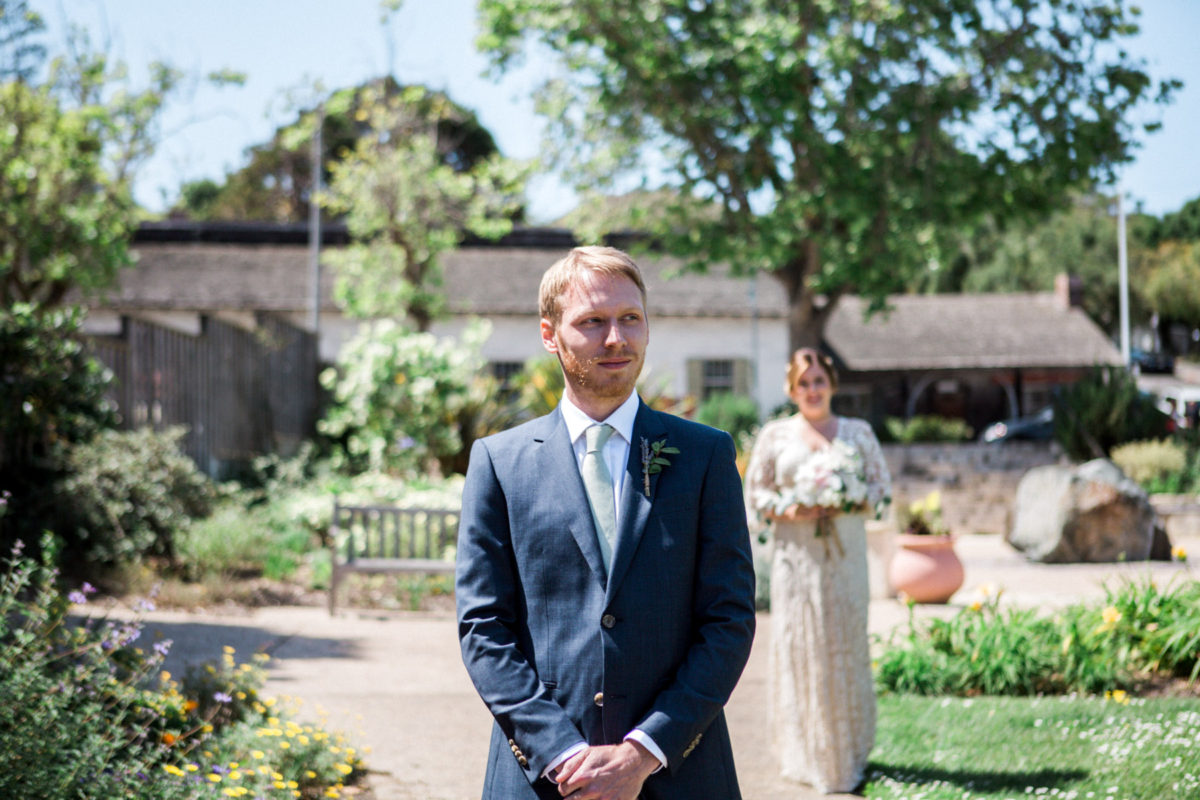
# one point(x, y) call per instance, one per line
point(71, 139)
point(406, 202)
point(836, 137)
point(276, 183)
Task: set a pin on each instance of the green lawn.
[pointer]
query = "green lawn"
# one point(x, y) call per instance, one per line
point(935, 748)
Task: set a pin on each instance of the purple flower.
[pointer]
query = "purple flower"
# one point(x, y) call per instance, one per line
point(222, 697)
point(163, 647)
point(77, 597)
point(406, 442)
point(88, 588)
point(144, 605)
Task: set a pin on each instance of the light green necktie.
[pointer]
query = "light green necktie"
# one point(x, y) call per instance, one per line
point(599, 485)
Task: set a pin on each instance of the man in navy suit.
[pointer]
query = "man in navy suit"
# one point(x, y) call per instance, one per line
point(604, 583)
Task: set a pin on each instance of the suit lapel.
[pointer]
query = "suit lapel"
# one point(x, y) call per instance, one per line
point(562, 478)
point(635, 505)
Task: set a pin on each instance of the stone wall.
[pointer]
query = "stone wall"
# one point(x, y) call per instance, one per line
point(977, 481)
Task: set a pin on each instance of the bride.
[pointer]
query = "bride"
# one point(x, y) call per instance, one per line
point(822, 698)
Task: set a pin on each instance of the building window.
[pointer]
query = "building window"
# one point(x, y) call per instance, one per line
point(707, 377)
point(504, 372)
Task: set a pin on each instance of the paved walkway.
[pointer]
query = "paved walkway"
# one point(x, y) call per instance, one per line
point(394, 682)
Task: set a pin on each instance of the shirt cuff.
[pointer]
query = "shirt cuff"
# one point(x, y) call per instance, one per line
point(643, 738)
point(562, 758)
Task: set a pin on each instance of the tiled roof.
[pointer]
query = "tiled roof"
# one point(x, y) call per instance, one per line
point(953, 331)
point(194, 273)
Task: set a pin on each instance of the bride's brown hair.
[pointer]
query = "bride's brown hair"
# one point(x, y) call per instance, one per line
point(804, 358)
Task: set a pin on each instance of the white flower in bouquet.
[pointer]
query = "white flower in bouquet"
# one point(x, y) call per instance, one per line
point(830, 478)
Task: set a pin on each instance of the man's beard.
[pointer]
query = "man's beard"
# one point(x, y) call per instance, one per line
point(588, 377)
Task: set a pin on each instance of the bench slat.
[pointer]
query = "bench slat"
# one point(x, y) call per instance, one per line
point(389, 539)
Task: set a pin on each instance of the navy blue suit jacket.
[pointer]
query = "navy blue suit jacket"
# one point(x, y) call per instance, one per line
point(559, 651)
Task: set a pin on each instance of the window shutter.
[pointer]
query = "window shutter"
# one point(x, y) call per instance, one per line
point(741, 377)
point(695, 377)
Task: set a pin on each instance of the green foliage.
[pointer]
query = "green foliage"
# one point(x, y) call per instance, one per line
point(396, 396)
point(808, 140)
point(1028, 255)
point(1140, 633)
point(1152, 462)
point(131, 493)
point(927, 428)
point(405, 206)
point(539, 386)
point(1181, 226)
point(51, 390)
point(735, 414)
point(51, 396)
point(1172, 273)
point(1103, 410)
point(999, 748)
point(276, 182)
point(88, 715)
point(20, 56)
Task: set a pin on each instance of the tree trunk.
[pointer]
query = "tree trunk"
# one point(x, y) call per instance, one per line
point(807, 313)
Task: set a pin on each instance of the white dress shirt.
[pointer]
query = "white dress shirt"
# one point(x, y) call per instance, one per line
point(616, 457)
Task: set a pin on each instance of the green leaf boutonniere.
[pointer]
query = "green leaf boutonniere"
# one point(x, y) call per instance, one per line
point(654, 458)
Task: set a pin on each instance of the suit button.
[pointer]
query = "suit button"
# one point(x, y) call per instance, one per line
point(524, 762)
point(599, 699)
point(608, 621)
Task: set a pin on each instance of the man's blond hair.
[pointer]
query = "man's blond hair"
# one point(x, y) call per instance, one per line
point(573, 266)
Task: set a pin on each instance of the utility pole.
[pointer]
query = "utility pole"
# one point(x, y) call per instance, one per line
point(314, 232)
point(1123, 279)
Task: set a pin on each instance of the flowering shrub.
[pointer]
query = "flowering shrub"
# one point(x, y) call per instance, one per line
point(398, 396)
point(88, 713)
point(1141, 634)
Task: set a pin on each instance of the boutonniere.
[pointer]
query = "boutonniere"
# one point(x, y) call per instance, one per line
point(654, 458)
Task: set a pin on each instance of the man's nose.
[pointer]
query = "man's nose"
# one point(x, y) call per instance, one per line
point(614, 335)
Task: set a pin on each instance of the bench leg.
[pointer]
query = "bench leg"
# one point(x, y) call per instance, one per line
point(335, 578)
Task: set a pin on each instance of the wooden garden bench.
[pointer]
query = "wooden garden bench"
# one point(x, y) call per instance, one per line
point(389, 539)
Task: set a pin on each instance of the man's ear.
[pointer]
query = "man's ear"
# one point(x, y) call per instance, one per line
point(548, 340)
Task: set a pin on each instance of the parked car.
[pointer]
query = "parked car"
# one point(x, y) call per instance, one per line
point(1036, 427)
point(1151, 362)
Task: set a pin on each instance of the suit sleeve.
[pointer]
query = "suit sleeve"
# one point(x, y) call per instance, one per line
point(723, 613)
point(489, 610)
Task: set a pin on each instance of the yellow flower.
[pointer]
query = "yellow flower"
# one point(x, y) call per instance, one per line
point(1117, 696)
point(214, 777)
point(171, 769)
point(1110, 615)
point(257, 754)
point(164, 676)
point(345, 769)
point(192, 768)
point(228, 650)
point(190, 706)
point(1179, 554)
point(308, 773)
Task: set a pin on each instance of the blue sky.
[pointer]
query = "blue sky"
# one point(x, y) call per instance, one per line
point(287, 47)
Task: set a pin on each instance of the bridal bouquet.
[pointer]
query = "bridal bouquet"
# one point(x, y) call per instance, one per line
point(829, 478)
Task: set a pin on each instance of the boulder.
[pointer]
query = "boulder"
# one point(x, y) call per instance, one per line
point(1090, 512)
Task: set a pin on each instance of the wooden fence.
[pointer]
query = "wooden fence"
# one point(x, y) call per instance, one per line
point(240, 393)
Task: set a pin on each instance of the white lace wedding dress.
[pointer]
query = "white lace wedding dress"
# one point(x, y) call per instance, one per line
point(821, 705)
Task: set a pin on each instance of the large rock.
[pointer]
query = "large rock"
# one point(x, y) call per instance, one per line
point(1089, 512)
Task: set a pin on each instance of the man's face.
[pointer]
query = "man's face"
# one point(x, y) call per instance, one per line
point(600, 341)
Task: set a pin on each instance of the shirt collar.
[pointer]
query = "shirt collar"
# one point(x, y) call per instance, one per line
point(621, 419)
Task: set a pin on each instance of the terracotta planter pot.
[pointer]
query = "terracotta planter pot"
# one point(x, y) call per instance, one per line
point(926, 569)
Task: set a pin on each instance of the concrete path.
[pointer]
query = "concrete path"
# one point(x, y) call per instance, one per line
point(395, 684)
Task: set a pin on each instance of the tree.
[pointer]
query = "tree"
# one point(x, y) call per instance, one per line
point(837, 137)
point(1027, 256)
point(404, 206)
point(276, 183)
point(69, 149)
point(1181, 225)
point(20, 56)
